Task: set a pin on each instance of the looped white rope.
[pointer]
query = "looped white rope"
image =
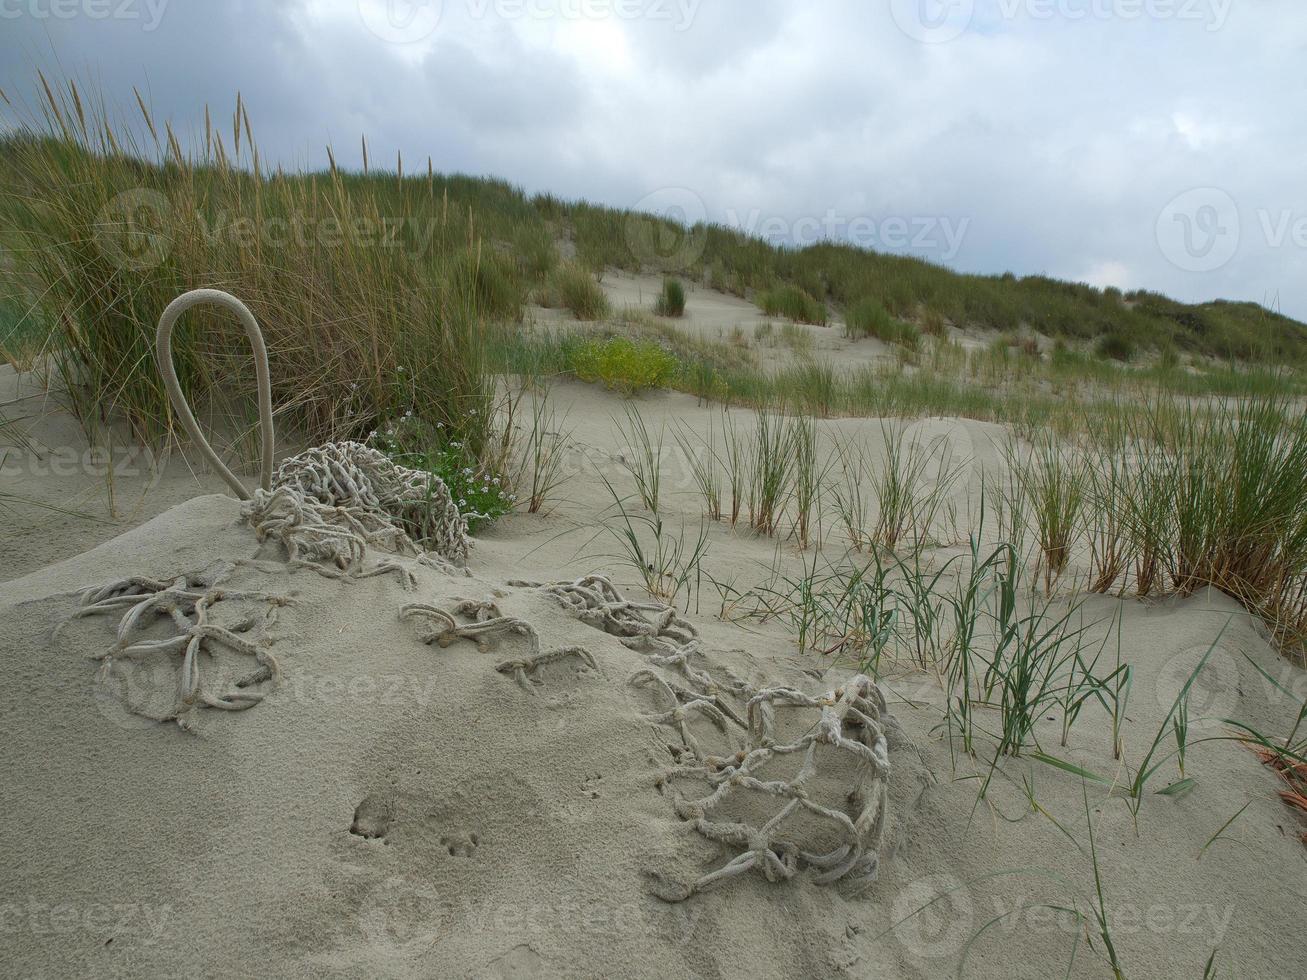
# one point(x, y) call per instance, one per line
point(166, 367)
point(331, 501)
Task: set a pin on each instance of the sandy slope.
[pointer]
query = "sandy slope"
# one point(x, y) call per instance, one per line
point(518, 829)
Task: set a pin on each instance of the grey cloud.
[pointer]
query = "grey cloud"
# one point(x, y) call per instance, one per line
point(1061, 141)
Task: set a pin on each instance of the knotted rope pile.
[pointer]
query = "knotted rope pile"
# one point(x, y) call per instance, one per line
point(330, 503)
point(828, 816)
point(186, 603)
point(363, 480)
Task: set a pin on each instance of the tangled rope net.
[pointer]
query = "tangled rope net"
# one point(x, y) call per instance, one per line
point(330, 503)
point(187, 603)
point(828, 815)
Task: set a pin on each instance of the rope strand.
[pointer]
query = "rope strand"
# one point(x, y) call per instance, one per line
point(163, 338)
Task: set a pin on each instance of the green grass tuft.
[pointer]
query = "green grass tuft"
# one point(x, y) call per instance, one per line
point(1117, 346)
point(794, 303)
point(571, 286)
point(671, 301)
point(868, 318)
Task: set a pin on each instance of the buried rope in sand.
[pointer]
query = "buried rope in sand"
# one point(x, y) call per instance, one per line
point(327, 505)
point(850, 723)
point(845, 724)
point(442, 628)
point(187, 602)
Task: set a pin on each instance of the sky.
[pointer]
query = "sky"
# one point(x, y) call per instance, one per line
point(1155, 144)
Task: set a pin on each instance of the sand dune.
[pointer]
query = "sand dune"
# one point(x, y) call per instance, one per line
point(398, 809)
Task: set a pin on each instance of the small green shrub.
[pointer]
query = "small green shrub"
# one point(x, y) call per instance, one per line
point(570, 286)
point(1117, 346)
point(868, 318)
point(932, 322)
point(671, 301)
point(794, 303)
point(481, 495)
point(625, 365)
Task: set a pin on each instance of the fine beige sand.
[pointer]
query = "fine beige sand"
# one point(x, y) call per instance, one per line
point(394, 809)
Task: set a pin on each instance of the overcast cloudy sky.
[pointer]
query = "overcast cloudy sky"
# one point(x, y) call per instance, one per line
point(1138, 143)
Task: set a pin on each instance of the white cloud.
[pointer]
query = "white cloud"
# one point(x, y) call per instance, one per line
point(1108, 273)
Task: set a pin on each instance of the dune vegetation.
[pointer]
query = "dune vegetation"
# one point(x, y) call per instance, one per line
point(395, 294)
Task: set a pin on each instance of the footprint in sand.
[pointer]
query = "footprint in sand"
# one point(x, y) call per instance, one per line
point(373, 817)
point(461, 844)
